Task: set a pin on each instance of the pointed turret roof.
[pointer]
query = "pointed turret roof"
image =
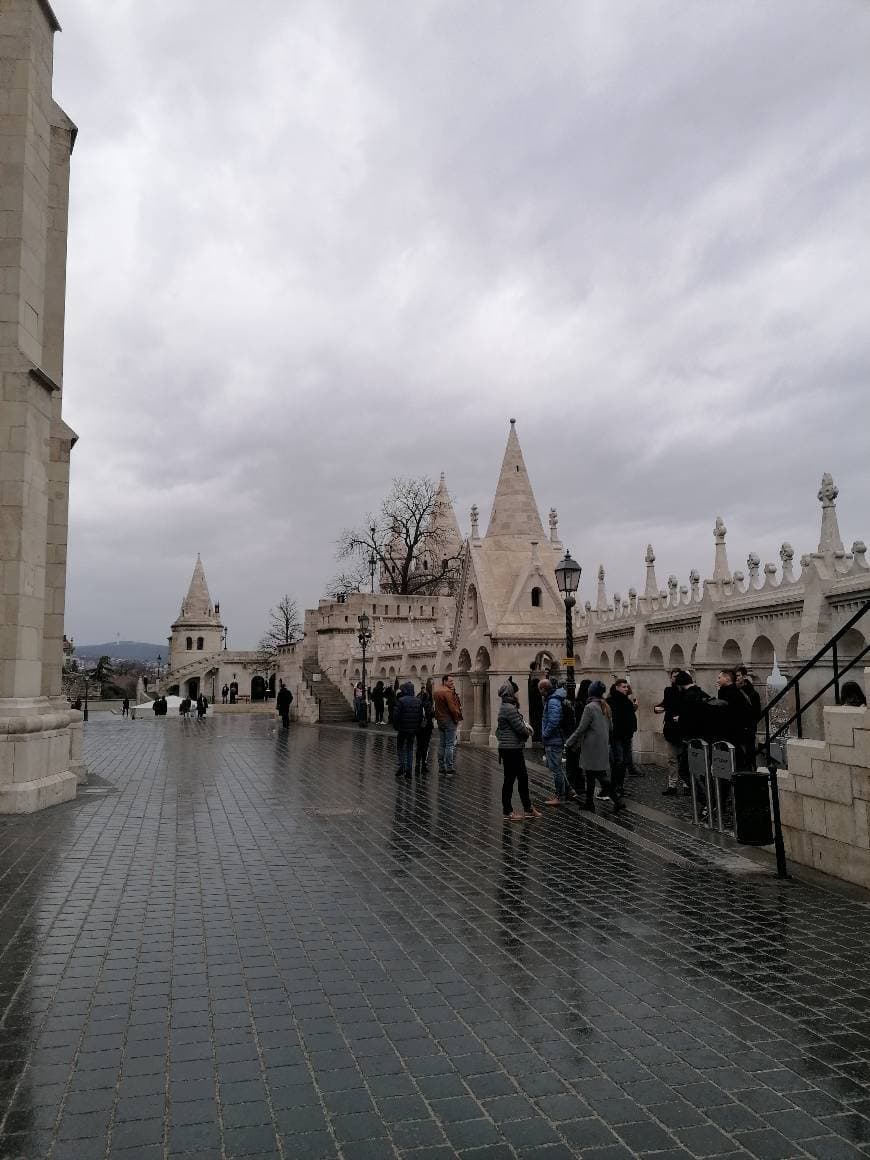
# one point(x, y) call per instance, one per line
point(514, 509)
point(444, 517)
point(197, 604)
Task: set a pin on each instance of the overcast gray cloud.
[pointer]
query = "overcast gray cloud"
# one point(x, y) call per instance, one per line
point(316, 245)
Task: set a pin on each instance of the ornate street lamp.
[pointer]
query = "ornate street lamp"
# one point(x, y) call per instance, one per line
point(364, 636)
point(85, 674)
point(568, 578)
point(373, 559)
point(159, 663)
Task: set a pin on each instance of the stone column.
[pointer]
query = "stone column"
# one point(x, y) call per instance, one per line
point(479, 734)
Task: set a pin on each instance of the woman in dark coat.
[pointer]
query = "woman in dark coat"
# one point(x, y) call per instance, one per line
point(377, 696)
point(592, 739)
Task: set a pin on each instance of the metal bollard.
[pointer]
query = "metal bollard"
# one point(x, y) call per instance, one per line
point(699, 766)
point(723, 767)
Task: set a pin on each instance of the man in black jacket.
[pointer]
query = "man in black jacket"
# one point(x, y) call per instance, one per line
point(407, 719)
point(283, 702)
point(746, 687)
point(669, 706)
point(624, 716)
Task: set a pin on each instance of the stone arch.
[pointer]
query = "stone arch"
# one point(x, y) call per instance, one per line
point(850, 643)
point(258, 688)
point(382, 672)
point(392, 671)
point(413, 670)
point(448, 668)
point(791, 649)
point(676, 658)
point(200, 643)
point(464, 662)
point(655, 656)
point(190, 644)
point(536, 598)
point(481, 660)
point(544, 660)
point(731, 654)
point(761, 652)
point(356, 674)
point(471, 604)
point(604, 661)
point(618, 661)
point(424, 670)
point(693, 655)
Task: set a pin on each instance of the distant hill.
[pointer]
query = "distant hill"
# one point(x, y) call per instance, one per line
point(128, 650)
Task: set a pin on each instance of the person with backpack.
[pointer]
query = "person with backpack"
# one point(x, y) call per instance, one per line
point(424, 733)
point(283, 702)
point(407, 719)
point(553, 741)
point(591, 739)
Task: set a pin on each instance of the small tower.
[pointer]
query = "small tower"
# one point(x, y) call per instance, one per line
point(198, 630)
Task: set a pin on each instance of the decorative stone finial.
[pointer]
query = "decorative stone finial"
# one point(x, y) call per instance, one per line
point(786, 555)
point(695, 583)
point(651, 587)
point(588, 607)
point(554, 524)
point(806, 559)
point(475, 520)
point(753, 563)
point(769, 573)
point(738, 577)
point(830, 541)
point(859, 551)
point(601, 601)
point(721, 571)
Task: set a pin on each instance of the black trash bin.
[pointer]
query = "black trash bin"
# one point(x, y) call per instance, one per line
point(752, 821)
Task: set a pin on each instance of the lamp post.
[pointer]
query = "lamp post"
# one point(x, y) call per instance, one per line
point(568, 578)
point(85, 674)
point(159, 663)
point(364, 636)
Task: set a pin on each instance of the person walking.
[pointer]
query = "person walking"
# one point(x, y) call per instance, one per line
point(407, 719)
point(623, 715)
point(390, 699)
point(283, 701)
point(669, 706)
point(551, 736)
point(592, 740)
point(184, 707)
point(377, 699)
point(448, 714)
point(201, 706)
point(424, 733)
point(512, 733)
point(125, 707)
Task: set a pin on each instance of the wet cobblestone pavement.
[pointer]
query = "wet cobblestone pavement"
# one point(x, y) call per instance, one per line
point(243, 943)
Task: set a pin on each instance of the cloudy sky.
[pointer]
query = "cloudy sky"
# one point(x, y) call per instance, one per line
point(316, 245)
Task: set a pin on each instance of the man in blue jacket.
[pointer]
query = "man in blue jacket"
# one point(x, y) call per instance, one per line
point(551, 735)
point(407, 719)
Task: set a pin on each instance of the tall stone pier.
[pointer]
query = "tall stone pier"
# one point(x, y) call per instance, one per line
point(40, 736)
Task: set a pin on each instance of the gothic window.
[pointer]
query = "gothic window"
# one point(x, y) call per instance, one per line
point(536, 598)
point(200, 642)
point(472, 607)
point(189, 643)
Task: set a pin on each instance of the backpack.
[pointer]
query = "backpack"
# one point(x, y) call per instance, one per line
point(568, 722)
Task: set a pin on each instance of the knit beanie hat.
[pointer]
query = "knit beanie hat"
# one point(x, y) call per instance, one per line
point(597, 689)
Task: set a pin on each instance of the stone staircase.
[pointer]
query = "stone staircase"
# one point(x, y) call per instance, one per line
point(333, 705)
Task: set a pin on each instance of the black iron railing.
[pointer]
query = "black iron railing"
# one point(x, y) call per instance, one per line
point(773, 759)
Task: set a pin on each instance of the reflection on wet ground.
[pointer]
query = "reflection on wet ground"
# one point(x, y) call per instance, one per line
point(249, 943)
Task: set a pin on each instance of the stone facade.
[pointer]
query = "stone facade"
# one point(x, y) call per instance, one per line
point(508, 615)
point(40, 736)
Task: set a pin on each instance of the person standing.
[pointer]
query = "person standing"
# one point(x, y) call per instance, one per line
point(734, 717)
point(283, 701)
point(360, 709)
point(377, 698)
point(407, 719)
point(125, 707)
point(669, 706)
point(448, 714)
point(390, 699)
point(184, 707)
point(592, 740)
point(748, 689)
point(551, 736)
point(225, 693)
point(511, 733)
point(424, 733)
point(623, 715)
point(201, 706)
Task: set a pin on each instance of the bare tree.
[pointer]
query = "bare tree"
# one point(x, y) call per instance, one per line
point(356, 579)
point(285, 627)
point(407, 540)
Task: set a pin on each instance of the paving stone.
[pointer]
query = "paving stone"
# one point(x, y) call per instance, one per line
point(261, 943)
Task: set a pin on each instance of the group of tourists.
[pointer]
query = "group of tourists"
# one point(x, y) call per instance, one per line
point(186, 708)
point(415, 717)
point(230, 693)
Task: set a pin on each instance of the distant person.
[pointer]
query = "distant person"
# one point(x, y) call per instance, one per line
point(551, 736)
point(427, 728)
point(448, 714)
point(184, 707)
point(77, 704)
point(225, 694)
point(360, 708)
point(283, 702)
point(390, 699)
point(234, 691)
point(201, 706)
point(125, 707)
point(377, 696)
point(156, 706)
point(592, 740)
point(852, 694)
point(512, 733)
point(407, 719)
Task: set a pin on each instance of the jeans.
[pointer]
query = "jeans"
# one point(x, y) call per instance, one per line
point(405, 750)
point(513, 763)
point(676, 764)
point(446, 747)
point(553, 754)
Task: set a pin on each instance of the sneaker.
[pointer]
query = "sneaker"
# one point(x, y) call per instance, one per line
point(604, 797)
point(671, 791)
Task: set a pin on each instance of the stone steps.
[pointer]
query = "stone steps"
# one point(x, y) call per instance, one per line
point(332, 703)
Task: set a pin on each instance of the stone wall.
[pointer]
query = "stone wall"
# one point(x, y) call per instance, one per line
point(825, 796)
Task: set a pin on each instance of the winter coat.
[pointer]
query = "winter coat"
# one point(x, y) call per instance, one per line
point(551, 725)
point(623, 712)
point(448, 707)
point(693, 714)
point(284, 699)
point(428, 723)
point(408, 712)
point(732, 717)
point(670, 702)
point(751, 693)
point(377, 695)
point(592, 737)
point(511, 731)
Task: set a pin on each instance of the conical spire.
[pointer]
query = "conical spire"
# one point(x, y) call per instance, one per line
point(197, 604)
point(514, 510)
point(444, 519)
